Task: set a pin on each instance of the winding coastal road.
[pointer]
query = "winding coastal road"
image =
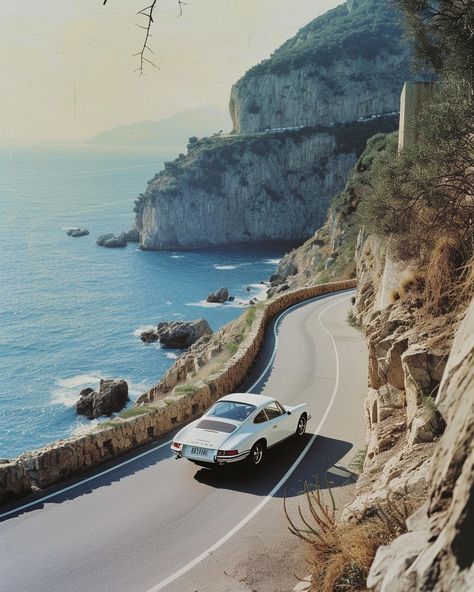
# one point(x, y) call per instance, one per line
point(148, 522)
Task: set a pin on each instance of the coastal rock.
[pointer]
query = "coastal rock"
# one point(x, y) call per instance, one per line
point(111, 241)
point(132, 236)
point(111, 398)
point(77, 232)
point(103, 238)
point(177, 334)
point(244, 190)
point(220, 296)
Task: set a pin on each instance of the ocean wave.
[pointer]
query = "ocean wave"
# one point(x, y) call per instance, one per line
point(140, 330)
point(177, 256)
point(261, 290)
point(171, 356)
point(272, 261)
point(225, 267)
point(67, 390)
point(205, 304)
point(84, 428)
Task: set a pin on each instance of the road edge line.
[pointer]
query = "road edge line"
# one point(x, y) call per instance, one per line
point(277, 487)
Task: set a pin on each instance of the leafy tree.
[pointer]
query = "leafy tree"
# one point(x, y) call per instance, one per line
point(442, 34)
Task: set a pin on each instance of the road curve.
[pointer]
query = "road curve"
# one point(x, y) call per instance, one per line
point(148, 522)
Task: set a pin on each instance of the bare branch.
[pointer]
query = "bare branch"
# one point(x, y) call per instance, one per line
point(148, 13)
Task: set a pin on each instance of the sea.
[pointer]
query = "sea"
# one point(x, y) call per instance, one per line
point(71, 312)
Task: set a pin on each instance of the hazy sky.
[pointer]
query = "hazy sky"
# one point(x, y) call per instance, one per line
point(66, 67)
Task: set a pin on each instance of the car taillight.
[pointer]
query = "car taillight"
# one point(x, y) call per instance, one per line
point(227, 452)
point(176, 445)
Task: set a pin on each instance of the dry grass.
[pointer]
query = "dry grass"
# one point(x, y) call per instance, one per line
point(340, 554)
point(443, 273)
point(414, 285)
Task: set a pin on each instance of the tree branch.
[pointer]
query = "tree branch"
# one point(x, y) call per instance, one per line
point(147, 12)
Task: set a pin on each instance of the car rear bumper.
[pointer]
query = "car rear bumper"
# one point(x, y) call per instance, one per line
point(211, 460)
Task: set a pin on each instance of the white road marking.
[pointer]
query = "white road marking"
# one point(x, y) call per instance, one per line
point(74, 485)
point(278, 486)
point(168, 442)
point(130, 460)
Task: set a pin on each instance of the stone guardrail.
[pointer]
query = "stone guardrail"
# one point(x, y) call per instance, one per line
point(59, 460)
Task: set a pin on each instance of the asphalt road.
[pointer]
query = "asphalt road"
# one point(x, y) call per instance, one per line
point(153, 523)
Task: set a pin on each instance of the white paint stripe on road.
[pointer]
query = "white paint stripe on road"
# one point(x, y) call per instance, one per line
point(282, 481)
point(141, 455)
point(74, 485)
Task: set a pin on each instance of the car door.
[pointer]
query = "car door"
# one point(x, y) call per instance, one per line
point(278, 428)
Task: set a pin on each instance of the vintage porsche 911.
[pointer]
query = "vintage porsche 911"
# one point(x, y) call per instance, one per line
point(238, 427)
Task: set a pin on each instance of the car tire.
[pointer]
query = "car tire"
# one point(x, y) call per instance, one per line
point(301, 427)
point(257, 454)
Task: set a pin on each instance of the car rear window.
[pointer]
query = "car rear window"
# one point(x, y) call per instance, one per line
point(217, 426)
point(231, 410)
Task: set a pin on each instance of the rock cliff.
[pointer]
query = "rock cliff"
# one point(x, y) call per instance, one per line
point(254, 188)
point(301, 119)
point(329, 253)
point(346, 64)
point(419, 427)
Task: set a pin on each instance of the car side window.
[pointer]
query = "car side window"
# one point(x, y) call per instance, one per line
point(273, 410)
point(260, 417)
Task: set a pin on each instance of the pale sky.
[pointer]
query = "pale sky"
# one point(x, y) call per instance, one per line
point(66, 70)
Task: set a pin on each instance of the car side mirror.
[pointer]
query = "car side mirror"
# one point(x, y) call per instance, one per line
point(289, 412)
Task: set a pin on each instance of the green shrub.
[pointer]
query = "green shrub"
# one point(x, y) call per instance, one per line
point(135, 411)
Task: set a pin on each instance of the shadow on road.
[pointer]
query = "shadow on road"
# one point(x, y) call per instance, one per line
point(318, 466)
point(79, 485)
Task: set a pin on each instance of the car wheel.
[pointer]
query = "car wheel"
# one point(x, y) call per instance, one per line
point(257, 454)
point(301, 428)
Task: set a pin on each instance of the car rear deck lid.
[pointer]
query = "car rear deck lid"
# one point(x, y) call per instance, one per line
point(217, 426)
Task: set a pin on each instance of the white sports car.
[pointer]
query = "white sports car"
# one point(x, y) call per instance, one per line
point(240, 426)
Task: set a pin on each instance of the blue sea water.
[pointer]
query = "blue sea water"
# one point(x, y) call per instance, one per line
point(70, 311)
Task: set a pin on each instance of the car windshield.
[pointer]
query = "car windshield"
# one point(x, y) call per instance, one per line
point(231, 410)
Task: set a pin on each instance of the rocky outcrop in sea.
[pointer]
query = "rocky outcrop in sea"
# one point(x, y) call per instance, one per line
point(111, 398)
point(177, 334)
point(219, 296)
point(75, 232)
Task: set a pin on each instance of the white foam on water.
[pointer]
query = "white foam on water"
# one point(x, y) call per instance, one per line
point(67, 389)
point(261, 290)
point(85, 428)
point(140, 330)
point(272, 261)
point(205, 304)
point(171, 356)
point(225, 267)
point(177, 256)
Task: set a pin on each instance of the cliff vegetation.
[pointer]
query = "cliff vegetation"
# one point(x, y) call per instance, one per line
point(414, 258)
point(346, 64)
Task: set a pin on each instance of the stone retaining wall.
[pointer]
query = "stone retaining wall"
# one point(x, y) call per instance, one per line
point(57, 461)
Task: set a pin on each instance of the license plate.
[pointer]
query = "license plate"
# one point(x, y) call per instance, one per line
point(199, 451)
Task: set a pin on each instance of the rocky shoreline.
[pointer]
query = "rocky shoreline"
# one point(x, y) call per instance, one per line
point(181, 395)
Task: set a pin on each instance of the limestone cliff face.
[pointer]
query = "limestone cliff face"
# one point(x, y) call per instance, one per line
point(347, 64)
point(419, 427)
point(231, 190)
point(259, 185)
point(329, 254)
point(436, 554)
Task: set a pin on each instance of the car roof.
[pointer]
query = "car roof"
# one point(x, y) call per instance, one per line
point(250, 398)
